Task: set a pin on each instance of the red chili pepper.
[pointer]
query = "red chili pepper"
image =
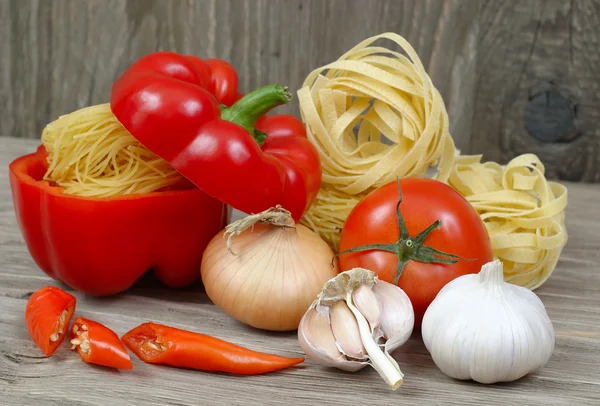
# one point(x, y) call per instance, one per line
point(47, 316)
point(158, 344)
point(97, 344)
point(101, 246)
point(170, 113)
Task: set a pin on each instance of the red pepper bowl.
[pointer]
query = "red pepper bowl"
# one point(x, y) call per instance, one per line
point(101, 246)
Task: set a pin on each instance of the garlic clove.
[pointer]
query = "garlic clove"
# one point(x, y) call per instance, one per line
point(316, 330)
point(398, 317)
point(318, 343)
point(345, 330)
point(366, 302)
point(383, 363)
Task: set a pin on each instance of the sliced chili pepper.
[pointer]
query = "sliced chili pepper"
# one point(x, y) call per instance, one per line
point(97, 344)
point(47, 316)
point(158, 344)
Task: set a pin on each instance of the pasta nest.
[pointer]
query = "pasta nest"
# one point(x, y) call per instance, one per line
point(373, 115)
point(91, 154)
point(522, 211)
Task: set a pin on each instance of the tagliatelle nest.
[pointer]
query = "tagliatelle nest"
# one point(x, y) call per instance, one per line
point(373, 115)
point(523, 212)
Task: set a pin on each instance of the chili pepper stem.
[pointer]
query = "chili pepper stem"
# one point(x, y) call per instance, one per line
point(409, 248)
point(254, 105)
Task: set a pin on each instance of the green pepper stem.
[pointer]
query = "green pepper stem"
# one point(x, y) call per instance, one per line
point(254, 105)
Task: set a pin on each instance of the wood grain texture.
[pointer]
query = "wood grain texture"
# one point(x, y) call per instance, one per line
point(62, 55)
point(531, 47)
point(571, 296)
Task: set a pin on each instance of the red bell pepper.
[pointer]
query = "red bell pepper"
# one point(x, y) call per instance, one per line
point(222, 78)
point(215, 75)
point(165, 104)
point(47, 316)
point(97, 344)
point(101, 246)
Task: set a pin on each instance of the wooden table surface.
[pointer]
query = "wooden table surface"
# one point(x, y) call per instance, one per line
point(571, 296)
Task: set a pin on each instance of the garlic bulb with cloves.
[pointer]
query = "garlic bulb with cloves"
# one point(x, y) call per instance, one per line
point(482, 328)
point(357, 320)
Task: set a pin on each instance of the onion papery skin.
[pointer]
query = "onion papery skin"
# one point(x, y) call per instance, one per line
point(271, 277)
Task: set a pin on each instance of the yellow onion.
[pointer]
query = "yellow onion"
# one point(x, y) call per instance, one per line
point(270, 273)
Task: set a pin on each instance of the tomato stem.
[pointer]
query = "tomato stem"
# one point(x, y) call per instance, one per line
point(403, 230)
point(409, 248)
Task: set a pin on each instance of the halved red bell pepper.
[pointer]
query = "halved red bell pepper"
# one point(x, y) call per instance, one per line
point(47, 316)
point(97, 344)
point(168, 109)
point(101, 246)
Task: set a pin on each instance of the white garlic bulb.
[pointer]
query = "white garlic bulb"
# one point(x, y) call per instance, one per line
point(357, 320)
point(482, 328)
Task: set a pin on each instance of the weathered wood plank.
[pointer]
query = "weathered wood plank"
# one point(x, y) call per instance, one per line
point(572, 298)
point(58, 56)
point(529, 52)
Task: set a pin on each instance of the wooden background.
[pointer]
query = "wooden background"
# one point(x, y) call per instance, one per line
point(517, 76)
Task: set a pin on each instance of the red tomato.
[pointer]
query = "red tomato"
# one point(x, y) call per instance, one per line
point(47, 316)
point(424, 201)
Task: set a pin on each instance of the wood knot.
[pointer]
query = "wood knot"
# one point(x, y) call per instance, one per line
point(550, 117)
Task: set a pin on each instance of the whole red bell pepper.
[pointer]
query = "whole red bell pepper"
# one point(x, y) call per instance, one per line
point(101, 246)
point(164, 100)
